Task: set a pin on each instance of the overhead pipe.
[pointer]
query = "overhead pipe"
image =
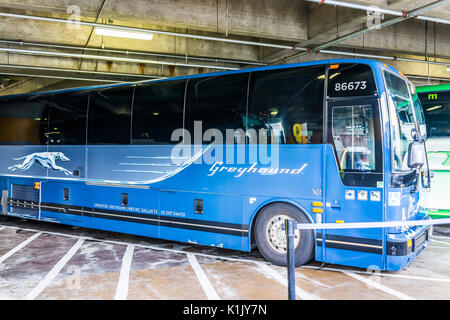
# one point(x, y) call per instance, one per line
point(252, 43)
point(372, 8)
point(95, 57)
point(110, 58)
point(107, 58)
point(403, 17)
point(78, 71)
point(382, 57)
point(128, 52)
point(57, 77)
point(428, 78)
point(167, 33)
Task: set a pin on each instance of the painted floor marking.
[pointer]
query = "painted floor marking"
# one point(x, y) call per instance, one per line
point(202, 278)
point(299, 292)
point(228, 258)
point(313, 281)
point(378, 274)
point(55, 271)
point(20, 246)
point(378, 286)
point(122, 285)
point(441, 237)
point(437, 241)
point(438, 247)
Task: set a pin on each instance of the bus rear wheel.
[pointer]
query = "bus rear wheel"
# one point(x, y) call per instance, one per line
point(270, 235)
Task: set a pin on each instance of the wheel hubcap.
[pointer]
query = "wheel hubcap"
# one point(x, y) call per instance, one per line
point(276, 235)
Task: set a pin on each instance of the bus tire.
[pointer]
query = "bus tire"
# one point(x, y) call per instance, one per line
point(270, 236)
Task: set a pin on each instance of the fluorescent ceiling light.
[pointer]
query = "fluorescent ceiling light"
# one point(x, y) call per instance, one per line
point(335, 75)
point(124, 34)
point(434, 108)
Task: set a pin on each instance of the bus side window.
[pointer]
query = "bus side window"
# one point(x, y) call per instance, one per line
point(24, 121)
point(157, 112)
point(68, 113)
point(288, 103)
point(109, 118)
point(220, 104)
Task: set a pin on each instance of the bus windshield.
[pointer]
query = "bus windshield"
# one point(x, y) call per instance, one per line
point(405, 112)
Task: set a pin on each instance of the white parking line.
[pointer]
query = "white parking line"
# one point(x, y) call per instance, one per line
point(378, 286)
point(122, 285)
point(437, 241)
point(440, 237)
point(55, 271)
point(299, 292)
point(2, 297)
point(438, 247)
point(17, 248)
point(382, 274)
point(202, 278)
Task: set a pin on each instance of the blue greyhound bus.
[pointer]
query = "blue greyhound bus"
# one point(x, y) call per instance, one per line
point(343, 141)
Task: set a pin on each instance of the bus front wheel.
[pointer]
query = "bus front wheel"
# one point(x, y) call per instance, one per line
point(270, 235)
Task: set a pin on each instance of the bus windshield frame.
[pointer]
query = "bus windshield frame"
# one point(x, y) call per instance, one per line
point(406, 114)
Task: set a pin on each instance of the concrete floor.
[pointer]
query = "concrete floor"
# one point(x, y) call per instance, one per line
point(54, 262)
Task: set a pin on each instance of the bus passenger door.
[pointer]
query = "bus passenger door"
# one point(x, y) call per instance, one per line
point(354, 183)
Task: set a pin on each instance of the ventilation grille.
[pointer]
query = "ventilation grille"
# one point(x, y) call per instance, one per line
point(21, 192)
point(24, 200)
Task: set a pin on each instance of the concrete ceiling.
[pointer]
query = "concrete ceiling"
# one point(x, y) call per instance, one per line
point(38, 55)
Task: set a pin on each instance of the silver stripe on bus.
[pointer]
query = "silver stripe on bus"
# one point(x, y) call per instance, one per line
point(355, 244)
point(141, 171)
point(149, 164)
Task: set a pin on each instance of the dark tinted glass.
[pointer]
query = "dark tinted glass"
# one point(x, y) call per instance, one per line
point(436, 106)
point(157, 112)
point(68, 118)
point(218, 102)
point(351, 80)
point(288, 103)
point(24, 120)
point(109, 118)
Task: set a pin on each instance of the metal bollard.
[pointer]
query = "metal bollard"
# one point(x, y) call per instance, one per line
point(290, 225)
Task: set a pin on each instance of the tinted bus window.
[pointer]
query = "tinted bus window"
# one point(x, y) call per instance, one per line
point(219, 103)
point(288, 104)
point(109, 117)
point(68, 113)
point(350, 80)
point(436, 106)
point(157, 112)
point(24, 121)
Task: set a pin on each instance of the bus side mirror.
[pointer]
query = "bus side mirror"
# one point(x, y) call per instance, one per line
point(416, 155)
point(415, 134)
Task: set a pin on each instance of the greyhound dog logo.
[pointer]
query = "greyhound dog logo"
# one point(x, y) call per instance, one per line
point(45, 159)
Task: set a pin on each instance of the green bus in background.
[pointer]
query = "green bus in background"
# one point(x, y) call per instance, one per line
point(436, 106)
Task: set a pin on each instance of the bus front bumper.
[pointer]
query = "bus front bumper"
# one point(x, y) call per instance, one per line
point(403, 248)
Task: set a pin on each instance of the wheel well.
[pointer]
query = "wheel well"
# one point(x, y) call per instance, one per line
point(252, 228)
